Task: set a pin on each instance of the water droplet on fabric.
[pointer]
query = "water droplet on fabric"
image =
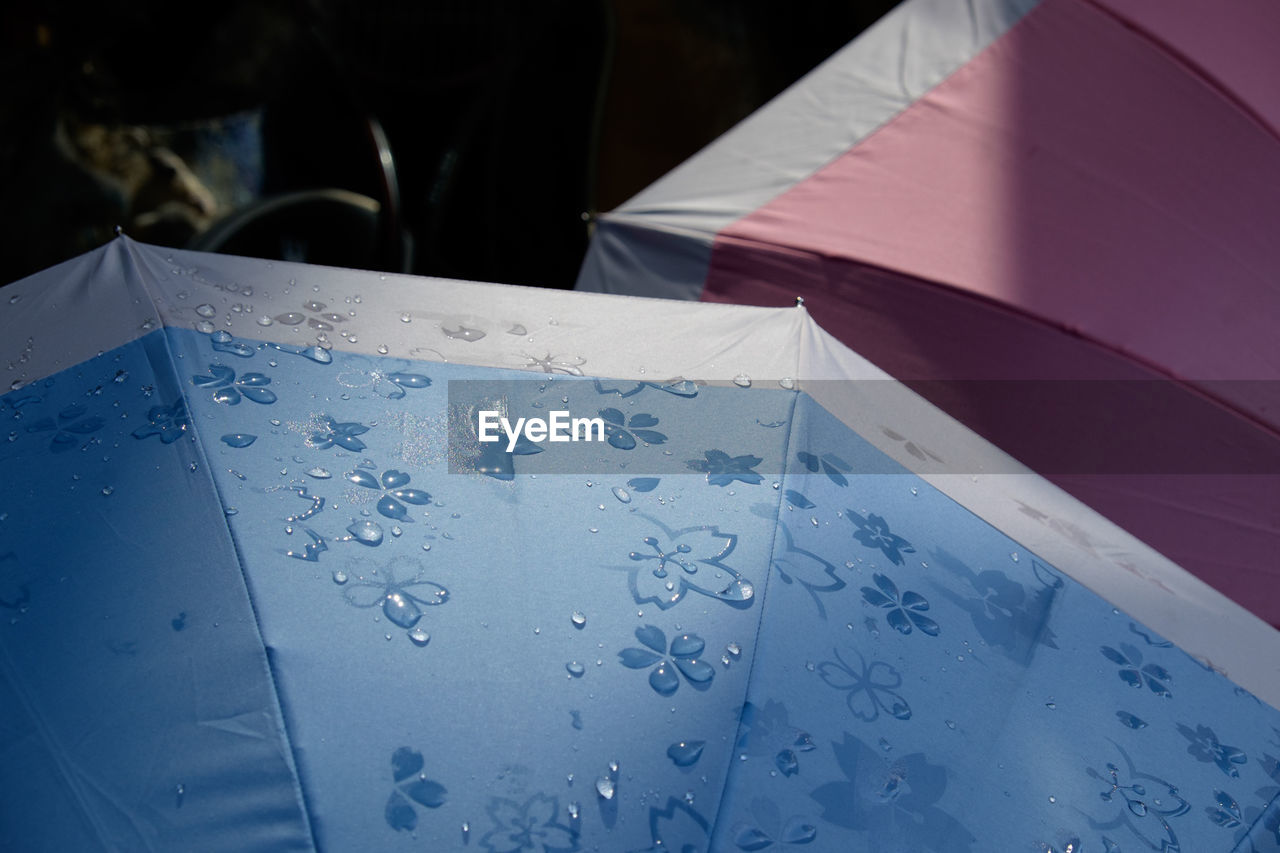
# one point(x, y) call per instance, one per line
point(291, 318)
point(405, 317)
point(339, 577)
point(575, 669)
point(366, 532)
point(204, 326)
point(951, 724)
point(578, 619)
point(239, 439)
point(382, 349)
point(319, 473)
point(463, 333)
point(264, 320)
point(622, 494)
point(742, 380)
point(604, 787)
point(419, 637)
point(401, 610)
point(573, 811)
point(788, 383)
point(685, 753)
point(107, 490)
point(206, 310)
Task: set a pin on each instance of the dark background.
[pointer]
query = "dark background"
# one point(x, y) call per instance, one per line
point(509, 123)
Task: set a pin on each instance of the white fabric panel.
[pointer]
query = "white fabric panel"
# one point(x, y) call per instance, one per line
point(488, 325)
point(860, 88)
point(69, 313)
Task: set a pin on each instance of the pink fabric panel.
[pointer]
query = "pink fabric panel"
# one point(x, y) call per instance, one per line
point(1221, 527)
point(1072, 171)
point(1235, 44)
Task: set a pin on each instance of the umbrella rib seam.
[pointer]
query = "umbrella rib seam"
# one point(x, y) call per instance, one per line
point(764, 594)
point(66, 769)
point(135, 267)
point(1015, 311)
point(1199, 72)
point(1248, 836)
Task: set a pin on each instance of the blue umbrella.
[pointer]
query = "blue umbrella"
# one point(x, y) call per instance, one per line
point(265, 587)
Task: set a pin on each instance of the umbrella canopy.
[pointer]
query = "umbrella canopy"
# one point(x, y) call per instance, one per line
point(265, 588)
point(1053, 190)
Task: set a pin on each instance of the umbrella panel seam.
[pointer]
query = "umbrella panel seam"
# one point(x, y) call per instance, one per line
point(764, 595)
point(65, 770)
point(133, 266)
point(1248, 837)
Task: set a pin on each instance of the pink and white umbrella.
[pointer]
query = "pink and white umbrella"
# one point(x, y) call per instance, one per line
point(1028, 190)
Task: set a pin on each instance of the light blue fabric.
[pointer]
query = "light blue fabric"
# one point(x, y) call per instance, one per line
point(760, 650)
point(137, 711)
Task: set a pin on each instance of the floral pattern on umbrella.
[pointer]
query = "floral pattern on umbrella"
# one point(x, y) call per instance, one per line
point(230, 389)
point(331, 433)
point(393, 487)
point(1135, 673)
point(722, 469)
point(1204, 746)
point(534, 825)
point(873, 532)
point(674, 563)
point(906, 609)
point(68, 426)
point(413, 789)
point(625, 432)
point(869, 689)
point(892, 800)
point(665, 661)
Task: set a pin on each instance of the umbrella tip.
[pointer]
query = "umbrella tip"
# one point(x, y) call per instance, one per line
point(799, 301)
point(119, 229)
